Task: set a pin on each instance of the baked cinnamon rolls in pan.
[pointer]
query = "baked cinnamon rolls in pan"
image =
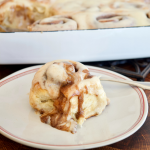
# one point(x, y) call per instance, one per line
point(66, 94)
point(21, 15)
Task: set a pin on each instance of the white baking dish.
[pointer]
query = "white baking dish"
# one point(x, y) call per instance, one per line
point(80, 45)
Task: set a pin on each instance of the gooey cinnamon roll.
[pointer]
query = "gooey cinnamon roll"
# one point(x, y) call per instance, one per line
point(54, 23)
point(66, 94)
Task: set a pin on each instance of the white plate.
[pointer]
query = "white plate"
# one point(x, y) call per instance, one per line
point(18, 121)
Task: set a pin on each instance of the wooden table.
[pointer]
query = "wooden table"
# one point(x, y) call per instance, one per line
point(139, 140)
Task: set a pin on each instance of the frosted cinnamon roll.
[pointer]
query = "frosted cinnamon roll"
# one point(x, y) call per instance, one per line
point(54, 23)
point(96, 20)
point(66, 94)
point(16, 15)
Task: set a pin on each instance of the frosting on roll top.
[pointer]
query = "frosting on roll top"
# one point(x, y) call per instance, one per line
point(56, 74)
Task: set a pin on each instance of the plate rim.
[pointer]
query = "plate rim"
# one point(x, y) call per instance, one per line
point(33, 69)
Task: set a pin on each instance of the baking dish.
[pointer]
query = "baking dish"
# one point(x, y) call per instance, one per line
point(77, 45)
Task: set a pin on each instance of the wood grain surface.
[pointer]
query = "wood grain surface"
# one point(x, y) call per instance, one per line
point(138, 141)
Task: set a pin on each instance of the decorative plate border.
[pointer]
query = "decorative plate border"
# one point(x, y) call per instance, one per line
point(140, 94)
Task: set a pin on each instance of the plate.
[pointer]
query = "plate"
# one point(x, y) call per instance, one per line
point(18, 121)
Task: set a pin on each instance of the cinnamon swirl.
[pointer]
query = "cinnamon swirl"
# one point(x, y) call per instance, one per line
point(54, 23)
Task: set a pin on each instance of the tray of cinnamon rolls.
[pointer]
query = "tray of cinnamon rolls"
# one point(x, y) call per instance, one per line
point(39, 31)
point(55, 15)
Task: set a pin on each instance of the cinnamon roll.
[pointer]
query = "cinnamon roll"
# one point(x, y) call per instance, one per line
point(66, 94)
point(96, 20)
point(53, 24)
point(16, 15)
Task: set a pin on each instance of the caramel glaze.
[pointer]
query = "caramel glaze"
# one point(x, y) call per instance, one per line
point(80, 109)
point(81, 96)
point(59, 116)
point(62, 104)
